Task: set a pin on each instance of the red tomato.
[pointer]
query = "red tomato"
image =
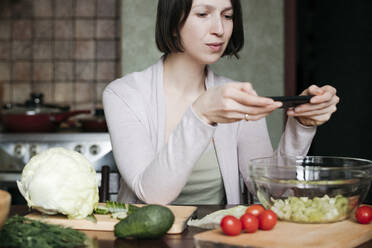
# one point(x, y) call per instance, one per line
point(231, 225)
point(255, 209)
point(267, 220)
point(249, 223)
point(364, 214)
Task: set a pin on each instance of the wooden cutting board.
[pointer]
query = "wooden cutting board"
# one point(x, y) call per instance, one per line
point(344, 234)
point(106, 223)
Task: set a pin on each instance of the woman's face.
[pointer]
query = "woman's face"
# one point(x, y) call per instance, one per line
point(207, 30)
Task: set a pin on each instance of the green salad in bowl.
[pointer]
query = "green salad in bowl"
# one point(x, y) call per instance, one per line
point(310, 189)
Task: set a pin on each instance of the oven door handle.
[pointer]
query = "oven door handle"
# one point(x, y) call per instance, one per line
point(105, 184)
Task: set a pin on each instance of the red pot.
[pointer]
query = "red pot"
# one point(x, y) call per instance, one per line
point(34, 116)
point(96, 123)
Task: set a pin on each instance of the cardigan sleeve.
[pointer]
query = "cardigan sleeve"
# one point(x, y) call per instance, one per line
point(296, 139)
point(154, 176)
point(254, 142)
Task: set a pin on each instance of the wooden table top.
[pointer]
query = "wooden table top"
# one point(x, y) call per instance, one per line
point(107, 239)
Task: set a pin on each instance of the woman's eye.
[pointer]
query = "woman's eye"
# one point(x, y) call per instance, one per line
point(229, 17)
point(201, 14)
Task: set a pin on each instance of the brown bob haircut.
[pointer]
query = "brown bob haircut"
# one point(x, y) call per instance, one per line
point(171, 16)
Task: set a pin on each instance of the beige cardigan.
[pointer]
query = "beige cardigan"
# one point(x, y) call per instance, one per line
point(154, 171)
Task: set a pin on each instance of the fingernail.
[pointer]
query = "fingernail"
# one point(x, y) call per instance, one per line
point(278, 104)
point(314, 99)
point(269, 101)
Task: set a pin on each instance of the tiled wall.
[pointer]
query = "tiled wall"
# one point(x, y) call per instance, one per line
point(67, 49)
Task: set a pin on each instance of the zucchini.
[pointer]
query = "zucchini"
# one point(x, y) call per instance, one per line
point(148, 222)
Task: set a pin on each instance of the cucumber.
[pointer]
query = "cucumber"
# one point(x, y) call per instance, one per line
point(148, 222)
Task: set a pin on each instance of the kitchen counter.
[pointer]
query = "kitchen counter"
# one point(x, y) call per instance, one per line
point(107, 239)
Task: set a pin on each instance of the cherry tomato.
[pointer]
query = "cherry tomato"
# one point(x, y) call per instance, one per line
point(249, 223)
point(267, 220)
point(255, 209)
point(364, 214)
point(231, 225)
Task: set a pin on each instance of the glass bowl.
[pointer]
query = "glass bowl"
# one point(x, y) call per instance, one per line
point(310, 189)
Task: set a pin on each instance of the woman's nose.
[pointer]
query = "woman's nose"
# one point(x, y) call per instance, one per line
point(217, 26)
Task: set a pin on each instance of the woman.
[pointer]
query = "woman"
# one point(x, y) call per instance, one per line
point(180, 133)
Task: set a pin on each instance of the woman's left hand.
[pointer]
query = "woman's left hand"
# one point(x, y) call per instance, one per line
point(322, 105)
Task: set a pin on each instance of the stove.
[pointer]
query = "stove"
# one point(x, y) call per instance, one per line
point(17, 149)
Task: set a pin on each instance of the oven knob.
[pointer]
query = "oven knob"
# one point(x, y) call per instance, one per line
point(19, 150)
point(78, 148)
point(34, 149)
point(94, 149)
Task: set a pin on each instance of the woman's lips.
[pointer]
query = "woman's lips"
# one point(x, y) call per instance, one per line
point(215, 47)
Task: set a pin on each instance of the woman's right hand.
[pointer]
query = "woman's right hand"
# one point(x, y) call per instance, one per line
point(233, 102)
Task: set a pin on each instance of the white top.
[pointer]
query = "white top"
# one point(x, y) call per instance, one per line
point(155, 171)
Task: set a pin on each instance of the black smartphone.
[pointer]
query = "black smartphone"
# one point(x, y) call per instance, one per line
point(291, 101)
